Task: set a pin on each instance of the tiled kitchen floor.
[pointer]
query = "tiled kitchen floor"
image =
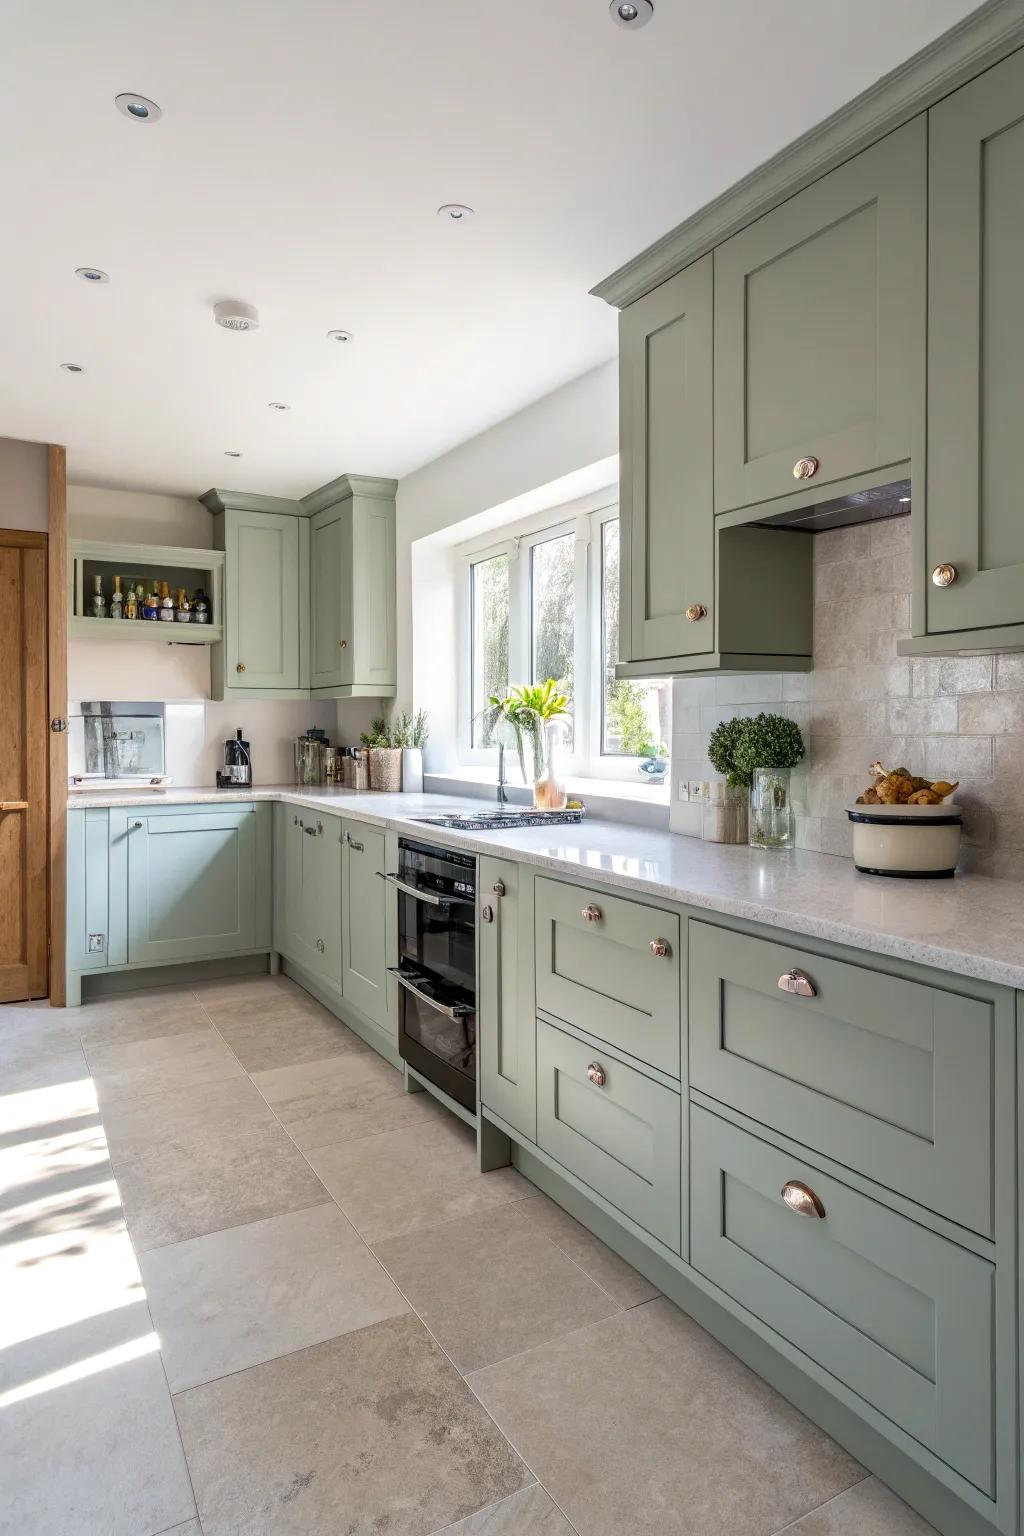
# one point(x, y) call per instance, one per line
point(243, 1272)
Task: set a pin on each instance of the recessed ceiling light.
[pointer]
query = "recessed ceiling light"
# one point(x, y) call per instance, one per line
point(278, 405)
point(340, 336)
point(232, 453)
point(454, 211)
point(139, 108)
point(631, 13)
point(72, 367)
point(91, 275)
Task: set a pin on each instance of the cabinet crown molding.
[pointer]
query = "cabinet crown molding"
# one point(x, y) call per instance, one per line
point(345, 486)
point(216, 500)
point(973, 45)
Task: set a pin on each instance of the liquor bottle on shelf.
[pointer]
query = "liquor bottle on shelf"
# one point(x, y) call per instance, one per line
point(182, 610)
point(200, 607)
point(117, 600)
point(151, 603)
point(166, 603)
point(131, 604)
point(99, 602)
point(140, 600)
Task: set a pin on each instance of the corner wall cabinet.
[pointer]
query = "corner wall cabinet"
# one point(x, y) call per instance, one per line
point(866, 331)
point(309, 592)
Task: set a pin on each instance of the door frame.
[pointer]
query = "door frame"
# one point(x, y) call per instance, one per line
point(57, 700)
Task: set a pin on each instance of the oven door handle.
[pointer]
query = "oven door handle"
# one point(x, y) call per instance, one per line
point(454, 1011)
point(413, 890)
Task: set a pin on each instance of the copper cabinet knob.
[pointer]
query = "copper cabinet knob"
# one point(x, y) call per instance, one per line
point(694, 612)
point(798, 983)
point(240, 666)
point(802, 1199)
point(805, 469)
point(591, 914)
point(343, 644)
point(498, 887)
point(487, 914)
point(944, 575)
point(659, 947)
point(597, 1074)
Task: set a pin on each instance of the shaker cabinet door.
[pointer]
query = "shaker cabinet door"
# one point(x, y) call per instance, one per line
point(262, 591)
point(506, 1021)
point(364, 921)
point(666, 513)
point(974, 520)
point(330, 586)
point(820, 329)
point(192, 885)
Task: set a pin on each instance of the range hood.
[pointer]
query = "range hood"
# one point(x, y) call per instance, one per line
point(844, 511)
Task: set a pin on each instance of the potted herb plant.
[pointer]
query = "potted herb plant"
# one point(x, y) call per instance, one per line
point(724, 818)
point(410, 733)
point(766, 749)
point(385, 756)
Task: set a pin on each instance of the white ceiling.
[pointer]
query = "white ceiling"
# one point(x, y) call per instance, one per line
point(304, 148)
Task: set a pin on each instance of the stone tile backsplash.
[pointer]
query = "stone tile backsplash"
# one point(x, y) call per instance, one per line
point(957, 717)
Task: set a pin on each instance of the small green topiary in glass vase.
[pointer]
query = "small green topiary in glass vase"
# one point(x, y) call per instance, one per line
point(766, 749)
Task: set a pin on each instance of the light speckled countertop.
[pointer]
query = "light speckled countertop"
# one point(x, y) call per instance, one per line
point(971, 925)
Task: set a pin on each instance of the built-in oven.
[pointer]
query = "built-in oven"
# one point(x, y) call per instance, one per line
point(437, 965)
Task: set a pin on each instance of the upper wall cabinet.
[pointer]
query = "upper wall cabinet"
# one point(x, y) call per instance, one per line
point(666, 505)
point(820, 330)
point(352, 588)
point(974, 526)
point(309, 592)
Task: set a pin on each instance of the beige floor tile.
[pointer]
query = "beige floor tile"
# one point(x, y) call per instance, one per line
point(342, 1098)
point(234, 1299)
point(529, 1513)
point(139, 1067)
point(27, 1072)
point(89, 1445)
point(417, 1177)
point(142, 1015)
point(370, 1432)
point(622, 1282)
point(282, 1034)
point(255, 988)
point(204, 1183)
point(36, 1029)
point(491, 1285)
point(190, 1528)
point(870, 1509)
point(228, 1104)
point(643, 1423)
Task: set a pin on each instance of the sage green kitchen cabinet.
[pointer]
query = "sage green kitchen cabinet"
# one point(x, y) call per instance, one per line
point(352, 588)
point(364, 922)
point(506, 1020)
point(612, 1126)
point(974, 522)
point(899, 1314)
point(820, 331)
point(666, 503)
point(192, 883)
point(265, 544)
point(308, 846)
point(88, 898)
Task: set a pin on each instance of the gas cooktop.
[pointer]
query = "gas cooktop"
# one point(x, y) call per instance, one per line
point(498, 820)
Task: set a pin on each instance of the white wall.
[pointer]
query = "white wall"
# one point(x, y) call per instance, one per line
point(557, 439)
point(94, 512)
point(24, 485)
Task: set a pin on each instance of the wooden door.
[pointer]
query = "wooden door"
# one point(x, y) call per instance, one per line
point(191, 884)
point(820, 328)
point(364, 921)
point(976, 352)
point(24, 745)
point(330, 587)
point(667, 511)
point(262, 585)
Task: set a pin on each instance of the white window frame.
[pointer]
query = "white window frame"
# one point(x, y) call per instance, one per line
point(584, 519)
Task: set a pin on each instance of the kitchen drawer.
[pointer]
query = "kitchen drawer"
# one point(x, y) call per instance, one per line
point(597, 968)
point(621, 1136)
point(901, 1316)
point(891, 1077)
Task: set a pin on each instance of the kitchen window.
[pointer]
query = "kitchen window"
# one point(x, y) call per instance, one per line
point(544, 602)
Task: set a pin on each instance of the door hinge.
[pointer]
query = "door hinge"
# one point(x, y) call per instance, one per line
point(58, 724)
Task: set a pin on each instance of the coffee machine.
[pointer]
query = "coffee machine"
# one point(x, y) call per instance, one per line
point(237, 772)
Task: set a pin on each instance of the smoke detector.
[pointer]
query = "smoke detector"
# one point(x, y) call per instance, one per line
point(233, 315)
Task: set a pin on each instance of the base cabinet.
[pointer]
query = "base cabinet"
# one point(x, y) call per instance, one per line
point(308, 879)
point(506, 1020)
point(191, 885)
point(364, 932)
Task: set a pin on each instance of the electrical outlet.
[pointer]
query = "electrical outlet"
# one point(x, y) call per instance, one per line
point(684, 789)
point(698, 790)
point(96, 943)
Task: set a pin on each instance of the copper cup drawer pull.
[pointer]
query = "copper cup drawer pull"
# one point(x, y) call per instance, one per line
point(659, 947)
point(806, 468)
point(591, 914)
point(802, 1199)
point(796, 982)
point(597, 1075)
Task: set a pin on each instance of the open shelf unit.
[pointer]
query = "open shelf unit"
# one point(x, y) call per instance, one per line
point(179, 567)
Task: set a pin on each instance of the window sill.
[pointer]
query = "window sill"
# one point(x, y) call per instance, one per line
point(607, 799)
